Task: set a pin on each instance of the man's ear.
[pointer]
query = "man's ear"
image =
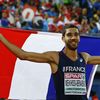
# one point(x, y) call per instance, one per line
point(63, 38)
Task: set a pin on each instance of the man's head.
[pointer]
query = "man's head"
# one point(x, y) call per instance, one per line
point(71, 37)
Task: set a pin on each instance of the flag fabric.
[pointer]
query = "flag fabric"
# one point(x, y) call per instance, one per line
point(29, 80)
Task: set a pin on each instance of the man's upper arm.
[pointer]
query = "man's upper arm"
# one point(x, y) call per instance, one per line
point(45, 57)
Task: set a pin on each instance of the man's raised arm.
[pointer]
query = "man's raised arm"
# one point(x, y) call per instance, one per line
point(23, 55)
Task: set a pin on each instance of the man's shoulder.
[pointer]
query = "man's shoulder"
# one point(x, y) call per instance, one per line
point(85, 56)
point(53, 55)
point(85, 53)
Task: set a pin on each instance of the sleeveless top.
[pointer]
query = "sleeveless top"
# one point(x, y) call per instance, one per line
point(70, 79)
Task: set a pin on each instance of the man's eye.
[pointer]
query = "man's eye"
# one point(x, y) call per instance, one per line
point(69, 34)
point(76, 34)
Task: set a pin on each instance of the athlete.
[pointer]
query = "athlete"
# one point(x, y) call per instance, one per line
point(68, 66)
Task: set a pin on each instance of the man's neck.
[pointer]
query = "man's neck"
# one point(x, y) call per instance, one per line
point(72, 54)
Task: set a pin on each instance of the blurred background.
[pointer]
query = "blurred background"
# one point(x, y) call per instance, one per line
point(52, 16)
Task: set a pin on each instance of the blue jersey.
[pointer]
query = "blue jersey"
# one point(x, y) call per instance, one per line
point(70, 79)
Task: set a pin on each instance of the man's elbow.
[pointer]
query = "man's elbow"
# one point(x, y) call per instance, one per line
point(22, 57)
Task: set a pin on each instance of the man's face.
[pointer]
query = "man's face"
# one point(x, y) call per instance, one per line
point(71, 38)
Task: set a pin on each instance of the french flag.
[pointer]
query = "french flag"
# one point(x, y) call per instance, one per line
point(21, 79)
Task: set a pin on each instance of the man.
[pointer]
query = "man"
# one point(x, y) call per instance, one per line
point(68, 66)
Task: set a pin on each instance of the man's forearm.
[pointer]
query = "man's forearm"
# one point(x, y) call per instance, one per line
point(13, 48)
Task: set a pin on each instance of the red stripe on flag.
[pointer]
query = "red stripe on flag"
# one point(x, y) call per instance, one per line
point(7, 59)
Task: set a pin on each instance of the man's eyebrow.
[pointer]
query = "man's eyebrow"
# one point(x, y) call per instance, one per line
point(69, 33)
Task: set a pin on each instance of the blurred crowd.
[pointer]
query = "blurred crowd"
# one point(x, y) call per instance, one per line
point(51, 15)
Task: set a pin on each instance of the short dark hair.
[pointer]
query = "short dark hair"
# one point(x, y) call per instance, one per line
point(66, 27)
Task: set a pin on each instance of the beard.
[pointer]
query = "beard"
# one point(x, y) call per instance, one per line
point(72, 47)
